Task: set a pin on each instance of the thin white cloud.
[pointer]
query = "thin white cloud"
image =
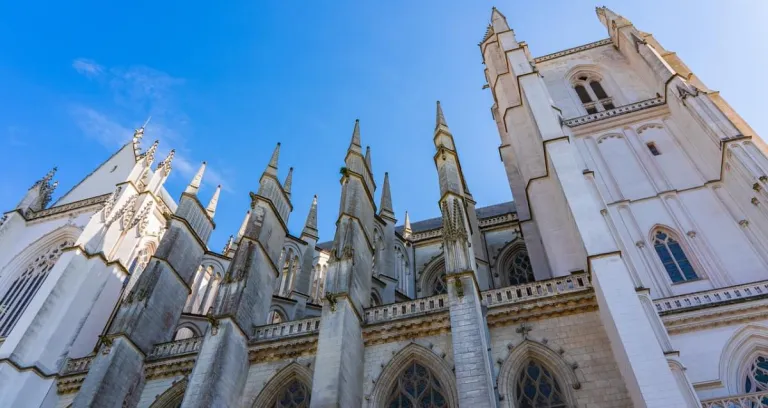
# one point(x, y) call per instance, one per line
point(100, 127)
point(87, 67)
point(140, 90)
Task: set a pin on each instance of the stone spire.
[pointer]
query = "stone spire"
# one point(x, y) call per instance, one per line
point(368, 158)
point(272, 166)
point(498, 21)
point(149, 155)
point(244, 225)
point(439, 117)
point(166, 163)
point(194, 185)
point(310, 227)
point(211, 209)
point(288, 182)
point(407, 231)
point(354, 144)
point(385, 207)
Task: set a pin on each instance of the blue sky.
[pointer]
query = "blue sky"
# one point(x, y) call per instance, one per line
point(225, 81)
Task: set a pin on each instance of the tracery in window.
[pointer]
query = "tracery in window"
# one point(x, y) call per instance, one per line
point(295, 395)
point(536, 387)
point(591, 93)
point(757, 375)
point(673, 257)
point(417, 387)
point(16, 299)
point(519, 270)
point(140, 261)
point(284, 284)
point(440, 287)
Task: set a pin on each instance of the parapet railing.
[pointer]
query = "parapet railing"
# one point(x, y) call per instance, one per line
point(621, 110)
point(535, 290)
point(406, 309)
point(752, 400)
point(286, 329)
point(176, 348)
point(77, 365)
point(711, 297)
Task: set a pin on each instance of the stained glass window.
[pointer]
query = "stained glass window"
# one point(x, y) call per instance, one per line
point(673, 257)
point(417, 387)
point(537, 388)
point(520, 270)
point(15, 300)
point(294, 395)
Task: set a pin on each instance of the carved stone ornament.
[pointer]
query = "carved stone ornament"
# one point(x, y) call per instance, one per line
point(744, 223)
point(640, 244)
point(755, 201)
point(691, 234)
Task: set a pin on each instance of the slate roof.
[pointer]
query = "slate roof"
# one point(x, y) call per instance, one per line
point(435, 223)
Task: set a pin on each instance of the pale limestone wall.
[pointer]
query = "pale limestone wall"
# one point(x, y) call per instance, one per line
point(153, 389)
point(584, 341)
point(712, 354)
point(619, 79)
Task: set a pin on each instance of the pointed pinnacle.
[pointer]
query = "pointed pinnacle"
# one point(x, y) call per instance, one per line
point(194, 185)
point(368, 158)
point(49, 176)
point(356, 134)
point(310, 227)
point(288, 182)
point(272, 166)
point(440, 118)
point(386, 197)
point(211, 209)
point(407, 227)
point(244, 225)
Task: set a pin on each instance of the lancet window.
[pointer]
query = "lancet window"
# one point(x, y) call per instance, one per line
point(24, 287)
point(289, 260)
point(417, 386)
point(318, 283)
point(204, 290)
point(673, 257)
point(536, 387)
point(402, 270)
point(591, 93)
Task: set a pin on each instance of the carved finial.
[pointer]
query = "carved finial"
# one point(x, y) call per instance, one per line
point(165, 165)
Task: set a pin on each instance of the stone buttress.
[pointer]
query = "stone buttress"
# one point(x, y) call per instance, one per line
point(338, 376)
point(244, 298)
point(469, 332)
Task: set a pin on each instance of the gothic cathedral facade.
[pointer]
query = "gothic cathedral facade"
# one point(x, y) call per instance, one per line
point(630, 271)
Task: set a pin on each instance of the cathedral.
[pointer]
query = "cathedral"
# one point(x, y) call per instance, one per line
point(631, 270)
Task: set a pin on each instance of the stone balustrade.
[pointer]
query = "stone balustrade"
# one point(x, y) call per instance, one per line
point(711, 297)
point(540, 289)
point(621, 110)
point(176, 348)
point(286, 329)
point(753, 400)
point(406, 309)
point(77, 365)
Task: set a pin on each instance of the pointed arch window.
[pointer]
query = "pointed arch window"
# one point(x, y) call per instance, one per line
point(673, 257)
point(440, 286)
point(21, 291)
point(519, 270)
point(536, 387)
point(591, 93)
point(417, 386)
point(275, 317)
